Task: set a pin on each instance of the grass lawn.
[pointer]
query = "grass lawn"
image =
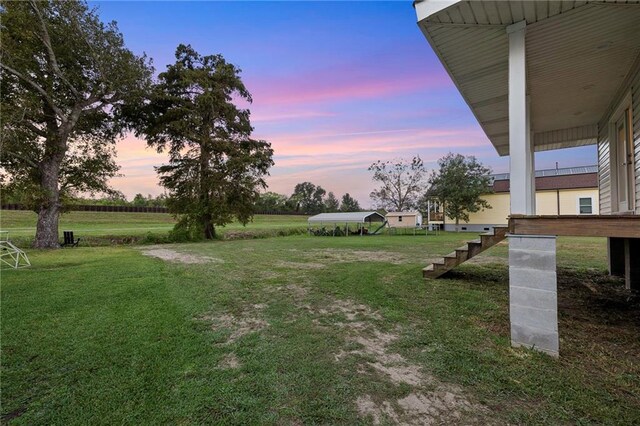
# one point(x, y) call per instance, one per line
point(97, 227)
point(307, 330)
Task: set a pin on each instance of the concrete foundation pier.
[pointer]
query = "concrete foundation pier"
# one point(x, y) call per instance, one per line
point(533, 292)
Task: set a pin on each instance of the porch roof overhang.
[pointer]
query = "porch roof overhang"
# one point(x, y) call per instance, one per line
point(579, 54)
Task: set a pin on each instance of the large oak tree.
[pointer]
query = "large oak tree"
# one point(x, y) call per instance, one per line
point(66, 77)
point(215, 168)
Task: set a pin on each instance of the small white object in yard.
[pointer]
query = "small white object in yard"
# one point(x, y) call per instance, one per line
point(10, 254)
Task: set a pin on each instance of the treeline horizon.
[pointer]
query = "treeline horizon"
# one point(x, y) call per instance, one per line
point(306, 198)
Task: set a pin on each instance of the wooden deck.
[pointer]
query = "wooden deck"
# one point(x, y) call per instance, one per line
point(623, 232)
point(619, 226)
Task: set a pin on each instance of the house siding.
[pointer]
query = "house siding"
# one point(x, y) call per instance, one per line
point(635, 119)
point(631, 85)
point(604, 170)
point(560, 202)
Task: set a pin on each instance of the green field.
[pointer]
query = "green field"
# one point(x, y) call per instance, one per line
point(99, 228)
point(307, 330)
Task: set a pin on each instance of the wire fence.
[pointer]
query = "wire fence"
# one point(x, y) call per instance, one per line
point(135, 209)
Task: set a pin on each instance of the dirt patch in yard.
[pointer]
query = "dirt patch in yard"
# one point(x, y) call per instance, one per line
point(248, 321)
point(239, 325)
point(367, 407)
point(350, 310)
point(416, 409)
point(176, 256)
point(295, 291)
point(229, 362)
point(435, 405)
point(430, 401)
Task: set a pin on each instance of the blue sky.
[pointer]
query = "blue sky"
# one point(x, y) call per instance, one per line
point(336, 86)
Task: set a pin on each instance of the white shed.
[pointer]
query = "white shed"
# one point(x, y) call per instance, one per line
point(404, 219)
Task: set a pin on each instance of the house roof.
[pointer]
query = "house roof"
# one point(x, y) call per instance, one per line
point(349, 217)
point(578, 53)
point(396, 214)
point(554, 172)
point(567, 178)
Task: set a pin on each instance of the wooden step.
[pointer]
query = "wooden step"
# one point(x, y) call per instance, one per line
point(502, 230)
point(451, 261)
point(464, 253)
point(475, 248)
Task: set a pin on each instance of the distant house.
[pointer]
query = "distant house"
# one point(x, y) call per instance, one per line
point(566, 191)
point(404, 219)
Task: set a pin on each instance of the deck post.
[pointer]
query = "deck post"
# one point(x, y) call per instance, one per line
point(533, 306)
point(631, 264)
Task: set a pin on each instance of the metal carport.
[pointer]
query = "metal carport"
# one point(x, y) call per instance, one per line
point(359, 218)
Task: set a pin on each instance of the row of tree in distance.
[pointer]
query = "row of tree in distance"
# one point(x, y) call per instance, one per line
point(307, 198)
point(404, 184)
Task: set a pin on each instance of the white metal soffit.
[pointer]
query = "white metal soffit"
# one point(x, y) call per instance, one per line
point(351, 217)
point(579, 54)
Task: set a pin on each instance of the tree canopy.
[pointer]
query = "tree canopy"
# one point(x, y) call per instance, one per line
point(216, 168)
point(401, 183)
point(67, 78)
point(271, 201)
point(308, 198)
point(331, 203)
point(458, 184)
point(349, 204)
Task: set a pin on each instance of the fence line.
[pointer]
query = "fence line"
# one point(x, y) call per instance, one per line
point(135, 209)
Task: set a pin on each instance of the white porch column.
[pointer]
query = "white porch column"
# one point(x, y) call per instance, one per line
point(532, 258)
point(531, 187)
point(521, 167)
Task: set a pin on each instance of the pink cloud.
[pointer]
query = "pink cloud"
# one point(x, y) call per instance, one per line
point(270, 116)
point(342, 84)
point(387, 141)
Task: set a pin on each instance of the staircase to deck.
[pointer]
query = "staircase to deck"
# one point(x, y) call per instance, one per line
point(466, 252)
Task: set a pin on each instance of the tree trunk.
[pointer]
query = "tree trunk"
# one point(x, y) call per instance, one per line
point(209, 229)
point(457, 224)
point(49, 209)
point(206, 218)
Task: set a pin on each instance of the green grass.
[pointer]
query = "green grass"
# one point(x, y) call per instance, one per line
point(107, 335)
point(103, 228)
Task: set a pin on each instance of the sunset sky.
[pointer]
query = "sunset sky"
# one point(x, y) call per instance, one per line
point(336, 86)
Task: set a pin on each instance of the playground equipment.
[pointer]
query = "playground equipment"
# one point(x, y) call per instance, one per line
point(10, 254)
